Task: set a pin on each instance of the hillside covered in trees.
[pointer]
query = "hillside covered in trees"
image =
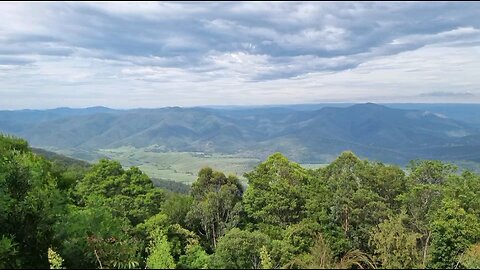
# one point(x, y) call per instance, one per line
point(352, 213)
point(305, 134)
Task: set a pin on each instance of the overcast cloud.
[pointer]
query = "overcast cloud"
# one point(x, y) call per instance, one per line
point(150, 54)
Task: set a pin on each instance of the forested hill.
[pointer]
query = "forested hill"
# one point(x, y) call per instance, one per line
point(307, 134)
point(352, 213)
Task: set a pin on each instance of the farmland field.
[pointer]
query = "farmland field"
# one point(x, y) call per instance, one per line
point(178, 166)
point(172, 166)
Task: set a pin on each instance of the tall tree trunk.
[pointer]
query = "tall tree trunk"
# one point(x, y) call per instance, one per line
point(214, 237)
point(425, 248)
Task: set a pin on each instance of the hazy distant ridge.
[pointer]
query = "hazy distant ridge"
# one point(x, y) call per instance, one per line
point(305, 134)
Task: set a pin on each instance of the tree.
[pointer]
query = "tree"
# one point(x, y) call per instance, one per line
point(387, 181)
point(465, 189)
point(176, 207)
point(159, 249)
point(115, 253)
point(209, 181)
point(240, 250)
point(453, 231)
point(195, 258)
point(217, 205)
point(344, 181)
point(301, 236)
point(332, 217)
point(89, 236)
point(178, 237)
point(275, 192)
point(423, 198)
point(421, 202)
point(30, 203)
point(395, 245)
point(321, 257)
point(11, 143)
point(471, 258)
point(128, 193)
point(430, 171)
point(356, 200)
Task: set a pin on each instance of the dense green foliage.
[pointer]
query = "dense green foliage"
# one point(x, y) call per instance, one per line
point(216, 207)
point(240, 250)
point(350, 214)
point(128, 193)
point(160, 256)
point(275, 194)
point(30, 204)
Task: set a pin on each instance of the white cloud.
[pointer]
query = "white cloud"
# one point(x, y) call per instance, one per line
point(462, 33)
point(158, 54)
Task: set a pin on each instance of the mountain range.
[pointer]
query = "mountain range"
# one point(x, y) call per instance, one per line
point(395, 133)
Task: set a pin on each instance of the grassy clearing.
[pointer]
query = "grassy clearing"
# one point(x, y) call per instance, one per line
point(172, 166)
point(178, 166)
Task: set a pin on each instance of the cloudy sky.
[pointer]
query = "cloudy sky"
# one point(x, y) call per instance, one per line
point(125, 55)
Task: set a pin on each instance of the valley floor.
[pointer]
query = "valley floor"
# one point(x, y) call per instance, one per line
point(174, 166)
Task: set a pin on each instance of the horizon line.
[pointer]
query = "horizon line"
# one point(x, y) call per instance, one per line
point(212, 106)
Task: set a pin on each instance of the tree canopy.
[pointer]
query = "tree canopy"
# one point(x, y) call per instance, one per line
point(352, 213)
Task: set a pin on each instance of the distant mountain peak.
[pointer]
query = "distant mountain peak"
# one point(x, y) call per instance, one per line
point(369, 104)
point(99, 107)
point(93, 108)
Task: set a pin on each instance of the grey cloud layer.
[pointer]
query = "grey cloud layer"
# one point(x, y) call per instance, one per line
point(241, 42)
